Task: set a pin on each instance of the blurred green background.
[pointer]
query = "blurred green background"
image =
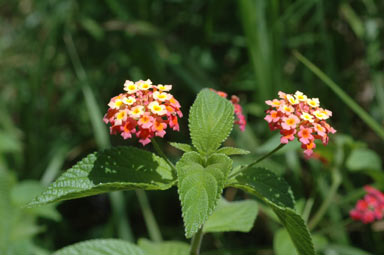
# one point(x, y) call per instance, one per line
point(61, 62)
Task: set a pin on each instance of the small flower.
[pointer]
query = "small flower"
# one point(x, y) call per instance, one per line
point(116, 102)
point(305, 135)
point(320, 115)
point(164, 87)
point(314, 102)
point(156, 108)
point(144, 85)
point(273, 116)
point(120, 117)
point(370, 208)
point(274, 102)
point(240, 118)
point(130, 87)
point(129, 100)
point(307, 117)
point(300, 96)
point(287, 135)
point(158, 127)
point(161, 96)
point(297, 116)
point(290, 122)
point(143, 111)
point(146, 121)
point(136, 112)
point(287, 109)
point(292, 100)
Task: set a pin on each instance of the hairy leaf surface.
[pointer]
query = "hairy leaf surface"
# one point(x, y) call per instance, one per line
point(182, 146)
point(210, 121)
point(121, 168)
point(200, 184)
point(232, 151)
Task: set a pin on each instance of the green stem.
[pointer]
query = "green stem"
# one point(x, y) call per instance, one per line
point(161, 153)
point(336, 181)
point(149, 218)
point(196, 242)
point(257, 161)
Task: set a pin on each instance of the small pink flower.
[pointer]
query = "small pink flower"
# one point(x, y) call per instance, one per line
point(308, 148)
point(146, 120)
point(305, 135)
point(287, 135)
point(370, 208)
point(290, 122)
point(272, 117)
point(274, 103)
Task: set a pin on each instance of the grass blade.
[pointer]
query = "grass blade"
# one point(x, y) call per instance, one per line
point(379, 130)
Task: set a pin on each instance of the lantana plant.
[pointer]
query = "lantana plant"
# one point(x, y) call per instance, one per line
point(201, 174)
point(371, 208)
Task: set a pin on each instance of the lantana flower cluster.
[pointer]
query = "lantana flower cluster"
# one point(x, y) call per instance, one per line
point(371, 208)
point(299, 116)
point(145, 110)
point(235, 100)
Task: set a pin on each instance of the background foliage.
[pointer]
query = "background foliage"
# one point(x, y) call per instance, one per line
point(61, 61)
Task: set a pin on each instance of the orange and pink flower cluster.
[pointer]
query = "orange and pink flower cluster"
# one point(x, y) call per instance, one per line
point(370, 208)
point(145, 110)
point(299, 116)
point(240, 119)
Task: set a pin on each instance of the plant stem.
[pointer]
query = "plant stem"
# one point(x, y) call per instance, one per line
point(196, 242)
point(257, 161)
point(149, 218)
point(161, 153)
point(336, 181)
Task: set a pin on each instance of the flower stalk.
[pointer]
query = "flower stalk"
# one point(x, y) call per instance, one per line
point(196, 242)
point(242, 169)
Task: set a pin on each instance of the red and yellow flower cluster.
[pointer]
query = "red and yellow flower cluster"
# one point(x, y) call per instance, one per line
point(240, 119)
point(145, 110)
point(300, 116)
point(370, 208)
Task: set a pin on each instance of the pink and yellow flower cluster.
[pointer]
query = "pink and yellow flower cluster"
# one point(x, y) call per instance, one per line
point(370, 208)
point(240, 119)
point(145, 110)
point(299, 116)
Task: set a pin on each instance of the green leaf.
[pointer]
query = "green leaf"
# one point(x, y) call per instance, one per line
point(297, 230)
point(277, 194)
point(164, 248)
point(232, 151)
point(210, 121)
point(200, 187)
point(265, 185)
point(101, 247)
point(182, 146)
point(232, 216)
point(121, 168)
point(363, 159)
point(283, 245)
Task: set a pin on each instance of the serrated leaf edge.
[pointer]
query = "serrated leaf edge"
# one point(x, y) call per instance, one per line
point(210, 211)
point(189, 124)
